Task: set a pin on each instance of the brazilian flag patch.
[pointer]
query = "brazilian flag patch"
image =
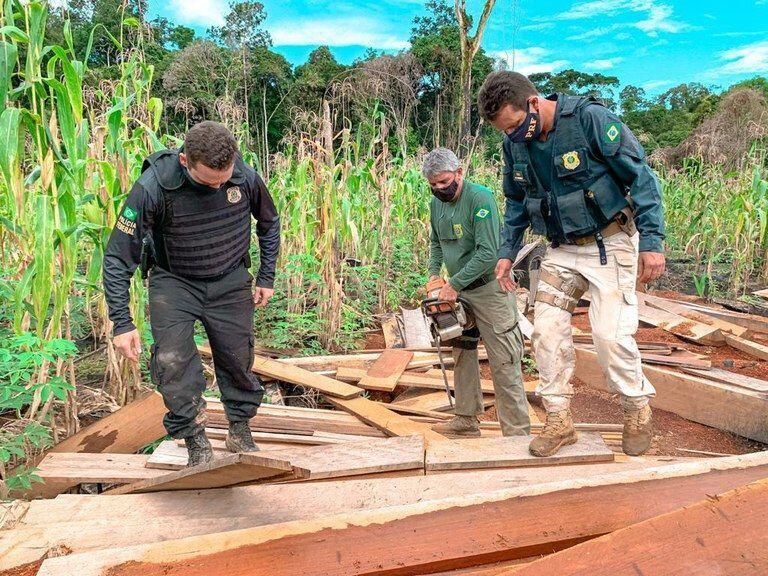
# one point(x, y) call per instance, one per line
point(612, 132)
point(130, 214)
point(482, 213)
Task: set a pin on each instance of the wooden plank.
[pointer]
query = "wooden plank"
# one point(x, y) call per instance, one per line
point(721, 535)
point(492, 527)
point(295, 375)
point(511, 452)
point(226, 471)
point(390, 327)
point(752, 348)
point(678, 325)
point(751, 322)
point(391, 423)
point(761, 293)
point(686, 312)
point(416, 331)
point(432, 401)
point(61, 471)
point(727, 407)
point(386, 371)
point(373, 456)
point(79, 523)
point(123, 432)
point(417, 380)
point(676, 358)
point(726, 377)
point(299, 419)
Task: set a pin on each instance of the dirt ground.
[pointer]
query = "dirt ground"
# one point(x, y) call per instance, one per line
point(673, 434)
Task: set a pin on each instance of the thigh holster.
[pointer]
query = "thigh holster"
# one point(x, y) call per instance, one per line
point(573, 289)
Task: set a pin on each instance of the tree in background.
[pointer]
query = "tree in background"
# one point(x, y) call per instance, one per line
point(578, 83)
point(469, 48)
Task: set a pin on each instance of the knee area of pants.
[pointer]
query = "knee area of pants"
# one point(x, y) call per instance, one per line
point(170, 360)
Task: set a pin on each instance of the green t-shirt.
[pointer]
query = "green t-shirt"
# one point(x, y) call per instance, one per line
point(465, 236)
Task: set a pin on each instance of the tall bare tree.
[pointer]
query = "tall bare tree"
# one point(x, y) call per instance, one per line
point(469, 47)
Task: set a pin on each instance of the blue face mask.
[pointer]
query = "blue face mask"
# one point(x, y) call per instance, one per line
point(529, 128)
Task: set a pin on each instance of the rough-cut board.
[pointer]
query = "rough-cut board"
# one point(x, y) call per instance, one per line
point(393, 335)
point(510, 452)
point(414, 379)
point(79, 523)
point(721, 535)
point(726, 377)
point(752, 322)
point(226, 471)
point(386, 371)
point(727, 407)
point(752, 348)
point(372, 456)
point(686, 312)
point(389, 422)
point(123, 432)
point(62, 471)
point(679, 326)
point(417, 538)
point(432, 401)
point(416, 331)
point(295, 375)
point(295, 419)
point(761, 293)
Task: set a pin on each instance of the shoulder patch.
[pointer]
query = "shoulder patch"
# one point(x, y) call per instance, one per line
point(612, 132)
point(482, 213)
point(130, 214)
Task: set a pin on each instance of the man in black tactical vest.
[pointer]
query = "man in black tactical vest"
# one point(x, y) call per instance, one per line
point(573, 172)
point(187, 221)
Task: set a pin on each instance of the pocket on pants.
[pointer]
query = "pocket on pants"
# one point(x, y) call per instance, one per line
point(628, 314)
point(626, 270)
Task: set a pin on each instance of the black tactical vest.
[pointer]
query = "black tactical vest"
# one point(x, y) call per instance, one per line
point(201, 235)
point(585, 196)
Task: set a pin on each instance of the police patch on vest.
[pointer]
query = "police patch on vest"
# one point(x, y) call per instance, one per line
point(612, 131)
point(458, 230)
point(571, 160)
point(125, 226)
point(482, 213)
point(234, 195)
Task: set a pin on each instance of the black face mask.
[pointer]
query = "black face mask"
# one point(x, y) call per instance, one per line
point(529, 128)
point(195, 185)
point(446, 194)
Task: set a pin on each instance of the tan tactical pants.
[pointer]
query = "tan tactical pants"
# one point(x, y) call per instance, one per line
point(613, 314)
point(496, 317)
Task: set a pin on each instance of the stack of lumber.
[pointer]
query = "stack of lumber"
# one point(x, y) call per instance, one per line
point(686, 380)
point(364, 485)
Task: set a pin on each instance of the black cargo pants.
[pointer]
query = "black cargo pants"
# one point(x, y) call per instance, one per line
point(225, 308)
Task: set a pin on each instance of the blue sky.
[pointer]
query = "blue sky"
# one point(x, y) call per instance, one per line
point(655, 44)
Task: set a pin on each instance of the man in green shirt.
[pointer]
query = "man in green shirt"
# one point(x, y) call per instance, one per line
point(465, 236)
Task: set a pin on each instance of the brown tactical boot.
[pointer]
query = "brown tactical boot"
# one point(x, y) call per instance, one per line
point(199, 449)
point(638, 431)
point(239, 438)
point(459, 426)
point(557, 432)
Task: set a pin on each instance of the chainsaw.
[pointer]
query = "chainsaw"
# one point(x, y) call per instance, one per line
point(446, 321)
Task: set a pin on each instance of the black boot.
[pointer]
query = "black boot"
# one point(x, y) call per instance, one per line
point(239, 438)
point(199, 449)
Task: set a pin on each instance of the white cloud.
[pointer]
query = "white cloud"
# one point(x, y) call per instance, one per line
point(658, 17)
point(200, 12)
point(654, 84)
point(531, 60)
point(603, 64)
point(353, 31)
point(749, 59)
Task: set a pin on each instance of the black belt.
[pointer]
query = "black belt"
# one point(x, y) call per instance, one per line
point(479, 283)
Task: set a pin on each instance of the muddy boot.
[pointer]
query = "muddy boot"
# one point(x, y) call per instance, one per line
point(459, 426)
point(638, 431)
point(557, 432)
point(199, 449)
point(239, 438)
